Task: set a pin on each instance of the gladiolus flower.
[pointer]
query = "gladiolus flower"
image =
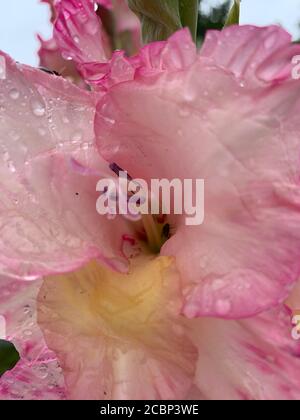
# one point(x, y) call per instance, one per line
point(205, 316)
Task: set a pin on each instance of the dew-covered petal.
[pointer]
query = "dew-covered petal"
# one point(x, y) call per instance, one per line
point(79, 32)
point(40, 112)
point(49, 171)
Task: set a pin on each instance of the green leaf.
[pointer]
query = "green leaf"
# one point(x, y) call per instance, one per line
point(9, 356)
point(161, 18)
point(189, 11)
point(234, 14)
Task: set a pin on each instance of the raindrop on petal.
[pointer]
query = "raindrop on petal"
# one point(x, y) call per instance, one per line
point(14, 94)
point(223, 307)
point(38, 108)
point(11, 166)
point(76, 136)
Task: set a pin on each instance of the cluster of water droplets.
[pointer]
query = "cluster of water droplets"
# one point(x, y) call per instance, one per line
point(25, 103)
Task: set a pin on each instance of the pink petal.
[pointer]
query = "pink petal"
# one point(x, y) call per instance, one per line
point(178, 53)
point(119, 337)
point(252, 53)
point(255, 359)
point(37, 376)
point(48, 212)
point(52, 9)
point(79, 32)
point(51, 58)
point(243, 139)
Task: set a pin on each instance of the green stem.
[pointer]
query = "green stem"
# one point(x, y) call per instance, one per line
point(233, 17)
point(189, 10)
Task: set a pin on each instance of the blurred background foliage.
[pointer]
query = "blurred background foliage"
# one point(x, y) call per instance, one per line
point(213, 19)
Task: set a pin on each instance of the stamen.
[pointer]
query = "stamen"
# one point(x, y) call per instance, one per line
point(156, 231)
point(117, 170)
point(53, 72)
point(152, 232)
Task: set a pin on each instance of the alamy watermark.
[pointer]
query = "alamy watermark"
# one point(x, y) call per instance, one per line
point(136, 197)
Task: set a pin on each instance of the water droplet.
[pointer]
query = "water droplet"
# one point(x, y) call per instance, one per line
point(67, 56)
point(85, 146)
point(223, 307)
point(77, 136)
point(65, 120)
point(42, 371)
point(38, 108)
point(189, 95)
point(27, 310)
point(109, 120)
point(14, 94)
point(76, 39)
point(11, 166)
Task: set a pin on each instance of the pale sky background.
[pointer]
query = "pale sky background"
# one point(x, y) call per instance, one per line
point(20, 20)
